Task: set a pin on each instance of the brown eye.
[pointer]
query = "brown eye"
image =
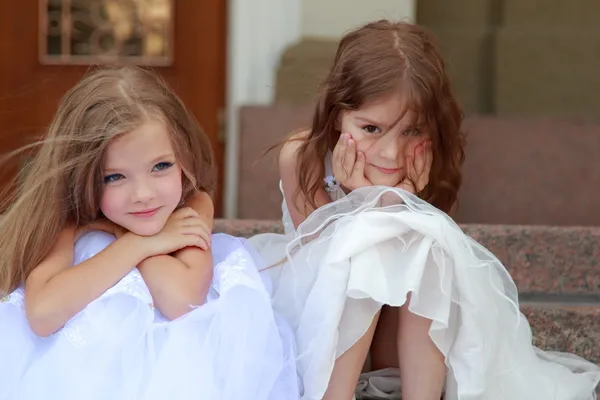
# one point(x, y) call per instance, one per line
point(372, 129)
point(412, 132)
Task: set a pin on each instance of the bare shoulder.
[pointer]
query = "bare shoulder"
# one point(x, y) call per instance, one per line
point(287, 156)
point(201, 200)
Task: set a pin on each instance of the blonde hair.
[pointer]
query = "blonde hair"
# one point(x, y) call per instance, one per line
point(64, 182)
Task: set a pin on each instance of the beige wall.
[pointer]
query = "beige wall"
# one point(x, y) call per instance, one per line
point(331, 18)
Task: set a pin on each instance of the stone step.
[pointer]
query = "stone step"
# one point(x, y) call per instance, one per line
point(567, 328)
point(559, 264)
point(559, 261)
point(556, 269)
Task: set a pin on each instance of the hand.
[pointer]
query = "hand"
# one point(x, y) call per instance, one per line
point(418, 166)
point(203, 204)
point(100, 225)
point(184, 228)
point(349, 164)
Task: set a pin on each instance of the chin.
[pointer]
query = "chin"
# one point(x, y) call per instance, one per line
point(149, 228)
point(385, 181)
point(380, 179)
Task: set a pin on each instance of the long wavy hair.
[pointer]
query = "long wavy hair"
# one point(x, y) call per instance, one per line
point(64, 182)
point(373, 62)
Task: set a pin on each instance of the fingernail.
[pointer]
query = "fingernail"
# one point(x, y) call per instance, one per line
point(351, 142)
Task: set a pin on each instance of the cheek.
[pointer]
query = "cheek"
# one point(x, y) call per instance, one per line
point(365, 144)
point(407, 145)
point(111, 203)
point(171, 188)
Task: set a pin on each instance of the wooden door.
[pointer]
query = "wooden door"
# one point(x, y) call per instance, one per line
point(30, 90)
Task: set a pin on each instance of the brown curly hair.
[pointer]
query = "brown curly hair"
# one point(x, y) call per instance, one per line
point(373, 62)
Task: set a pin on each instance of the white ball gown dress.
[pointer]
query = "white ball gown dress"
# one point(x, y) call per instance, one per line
point(356, 254)
point(120, 347)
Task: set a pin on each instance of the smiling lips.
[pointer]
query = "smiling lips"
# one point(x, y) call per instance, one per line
point(387, 171)
point(146, 213)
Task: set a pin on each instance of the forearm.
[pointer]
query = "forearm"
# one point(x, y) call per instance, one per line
point(178, 283)
point(181, 281)
point(50, 305)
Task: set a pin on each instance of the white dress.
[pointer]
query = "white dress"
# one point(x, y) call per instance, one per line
point(350, 257)
point(119, 347)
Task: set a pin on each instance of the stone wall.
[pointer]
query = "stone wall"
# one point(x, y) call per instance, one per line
point(524, 171)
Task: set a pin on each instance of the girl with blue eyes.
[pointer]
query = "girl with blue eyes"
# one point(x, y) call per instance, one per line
point(111, 286)
point(372, 263)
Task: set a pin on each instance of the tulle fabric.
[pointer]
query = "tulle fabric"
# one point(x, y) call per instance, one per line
point(120, 347)
point(377, 245)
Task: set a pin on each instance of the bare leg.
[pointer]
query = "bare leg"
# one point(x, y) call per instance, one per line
point(348, 366)
point(422, 367)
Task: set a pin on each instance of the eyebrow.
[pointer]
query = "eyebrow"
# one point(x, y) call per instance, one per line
point(365, 119)
point(154, 161)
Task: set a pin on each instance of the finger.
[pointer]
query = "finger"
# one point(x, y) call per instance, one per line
point(358, 171)
point(419, 160)
point(337, 156)
point(412, 148)
point(410, 169)
point(415, 151)
point(349, 157)
point(192, 223)
point(192, 241)
point(195, 223)
point(407, 185)
point(339, 145)
point(201, 243)
point(185, 212)
point(197, 231)
point(424, 178)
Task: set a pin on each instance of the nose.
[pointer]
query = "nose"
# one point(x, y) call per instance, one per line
point(391, 146)
point(142, 191)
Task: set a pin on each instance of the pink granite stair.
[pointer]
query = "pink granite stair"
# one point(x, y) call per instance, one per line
point(556, 269)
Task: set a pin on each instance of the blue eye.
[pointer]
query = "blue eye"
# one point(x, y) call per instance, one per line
point(113, 178)
point(162, 166)
point(372, 129)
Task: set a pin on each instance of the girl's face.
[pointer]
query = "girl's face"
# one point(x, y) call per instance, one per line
point(385, 136)
point(142, 180)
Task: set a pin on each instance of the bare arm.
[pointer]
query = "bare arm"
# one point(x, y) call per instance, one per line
point(297, 205)
point(55, 290)
point(180, 281)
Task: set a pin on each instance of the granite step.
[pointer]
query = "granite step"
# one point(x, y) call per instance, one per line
point(556, 269)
